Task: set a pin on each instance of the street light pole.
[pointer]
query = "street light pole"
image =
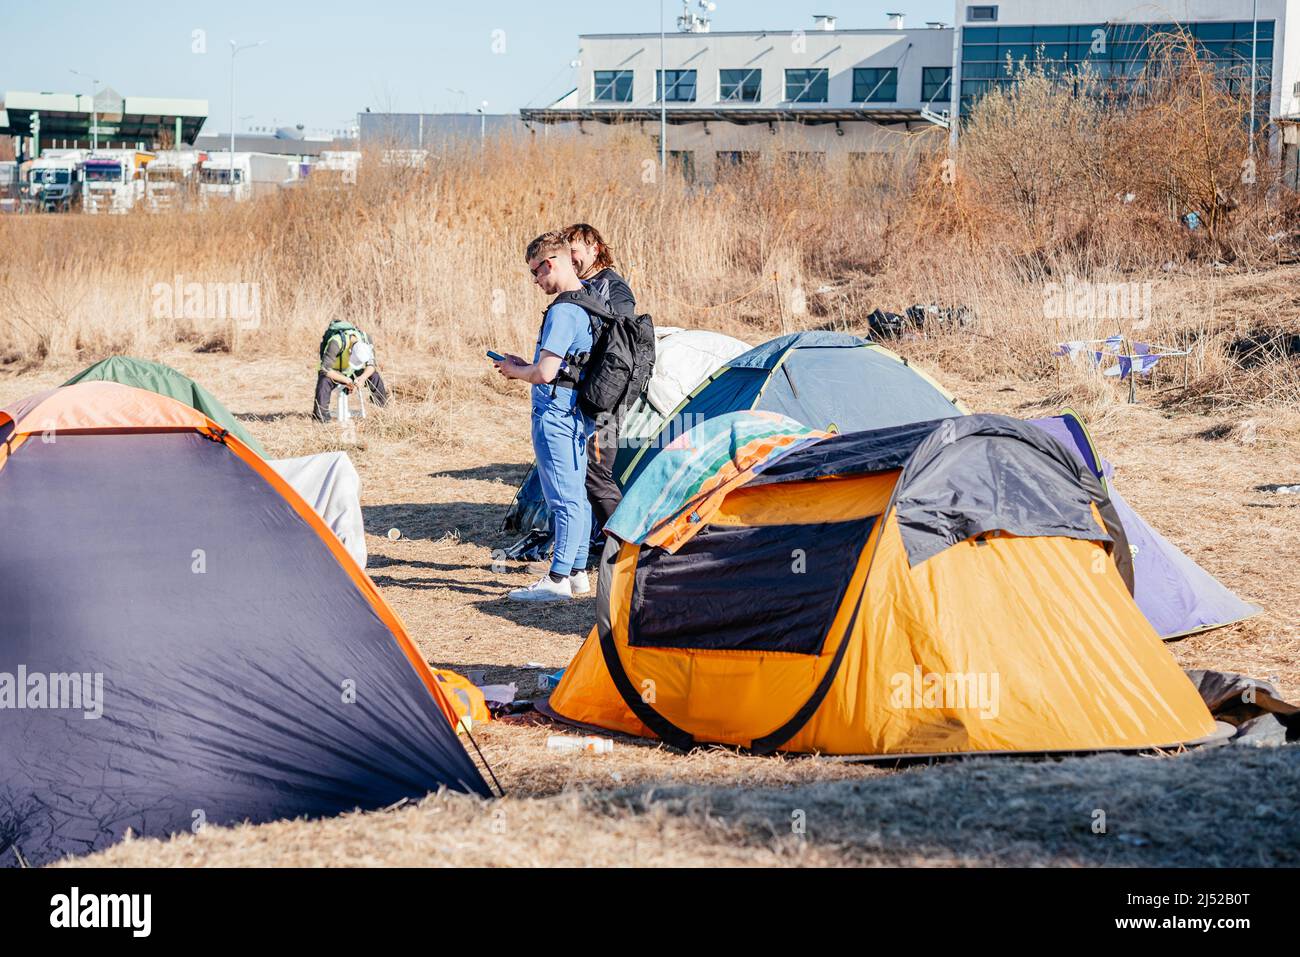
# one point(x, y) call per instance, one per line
point(94, 109)
point(234, 49)
point(1254, 39)
point(663, 102)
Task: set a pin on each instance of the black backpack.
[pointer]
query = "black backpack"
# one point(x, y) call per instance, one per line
point(622, 357)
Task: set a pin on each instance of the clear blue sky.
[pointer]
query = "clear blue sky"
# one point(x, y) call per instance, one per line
point(326, 60)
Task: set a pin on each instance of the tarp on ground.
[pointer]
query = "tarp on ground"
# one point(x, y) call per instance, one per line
point(1178, 596)
point(330, 484)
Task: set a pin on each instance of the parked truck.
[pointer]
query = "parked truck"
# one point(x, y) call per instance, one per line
point(336, 168)
point(52, 181)
point(251, 174)
point(8, 186)
point(113, 180)
point(172, 179)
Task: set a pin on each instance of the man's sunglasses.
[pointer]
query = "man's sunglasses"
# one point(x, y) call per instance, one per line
point(537, 271)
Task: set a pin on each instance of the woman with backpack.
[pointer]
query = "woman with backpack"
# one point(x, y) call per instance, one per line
point(594, 264)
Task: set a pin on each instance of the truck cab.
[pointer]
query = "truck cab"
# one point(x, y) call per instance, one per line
point(172, 179)
point(243, 177)
point(113, 180)
point(51, 182)
point(220, 177)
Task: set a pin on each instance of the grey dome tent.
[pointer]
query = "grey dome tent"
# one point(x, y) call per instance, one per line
point(824, 380)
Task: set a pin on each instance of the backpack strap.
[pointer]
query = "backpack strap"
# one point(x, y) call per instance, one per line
point(339, 330)
point(570, 374)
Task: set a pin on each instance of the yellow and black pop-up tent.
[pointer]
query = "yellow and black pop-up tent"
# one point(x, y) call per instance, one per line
point(939, 588)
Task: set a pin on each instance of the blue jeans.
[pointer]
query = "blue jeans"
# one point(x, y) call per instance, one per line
point(560, 433)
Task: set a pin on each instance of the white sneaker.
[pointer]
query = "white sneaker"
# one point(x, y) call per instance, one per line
point(543, 590)
point(579, 583)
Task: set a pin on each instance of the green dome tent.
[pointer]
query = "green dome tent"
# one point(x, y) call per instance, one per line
point(165, 380)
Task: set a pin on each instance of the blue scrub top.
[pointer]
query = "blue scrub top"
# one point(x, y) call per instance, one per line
point(566, 330)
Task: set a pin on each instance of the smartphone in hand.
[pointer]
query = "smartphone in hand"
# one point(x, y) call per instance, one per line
point(495, 356)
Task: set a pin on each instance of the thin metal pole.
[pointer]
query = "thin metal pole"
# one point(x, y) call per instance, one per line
point(663, 102)
point(1254, 39)
point(954, 92)
point(94, 110)
point(234, 49)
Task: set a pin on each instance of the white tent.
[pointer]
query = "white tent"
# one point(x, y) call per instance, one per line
point(683, 359)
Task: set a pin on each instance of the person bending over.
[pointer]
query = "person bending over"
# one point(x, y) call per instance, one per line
point(347, 358)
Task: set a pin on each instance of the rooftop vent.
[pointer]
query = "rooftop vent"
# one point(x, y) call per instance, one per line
point(895, 20)
point(823, 21)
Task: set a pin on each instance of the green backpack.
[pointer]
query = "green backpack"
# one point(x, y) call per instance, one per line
point(340, 329)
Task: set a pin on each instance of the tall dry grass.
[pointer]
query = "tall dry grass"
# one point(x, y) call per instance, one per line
point(1048, 185)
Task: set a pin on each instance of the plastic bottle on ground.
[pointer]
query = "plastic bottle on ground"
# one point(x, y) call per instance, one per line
point(567, 744)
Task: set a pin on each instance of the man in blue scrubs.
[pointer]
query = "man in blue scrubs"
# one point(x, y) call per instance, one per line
point(559, 428)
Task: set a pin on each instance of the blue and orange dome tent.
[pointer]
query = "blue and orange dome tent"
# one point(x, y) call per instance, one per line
point(184, 639)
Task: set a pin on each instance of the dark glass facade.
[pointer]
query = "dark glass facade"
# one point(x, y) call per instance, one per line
point(1115, 52)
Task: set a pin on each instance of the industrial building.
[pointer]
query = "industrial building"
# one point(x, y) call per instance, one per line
point(106, 120)
point(433, 131)
point(825, 93)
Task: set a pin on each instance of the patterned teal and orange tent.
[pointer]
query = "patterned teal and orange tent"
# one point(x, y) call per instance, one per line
point(697, 467)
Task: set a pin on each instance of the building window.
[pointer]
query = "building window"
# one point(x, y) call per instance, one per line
point(683, 163)
point(805, 159)
point(613, 86)
point(873, 171)
point(936, 84)
point(734, 159)
point(807, 86)
point(740, 86)
point(982, 14)
point(681, 86)
point(875, 85)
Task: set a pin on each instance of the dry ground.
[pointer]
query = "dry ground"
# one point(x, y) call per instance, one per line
point(443, 469)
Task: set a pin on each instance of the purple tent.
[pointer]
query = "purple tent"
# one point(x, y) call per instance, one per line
point(1178, 596)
